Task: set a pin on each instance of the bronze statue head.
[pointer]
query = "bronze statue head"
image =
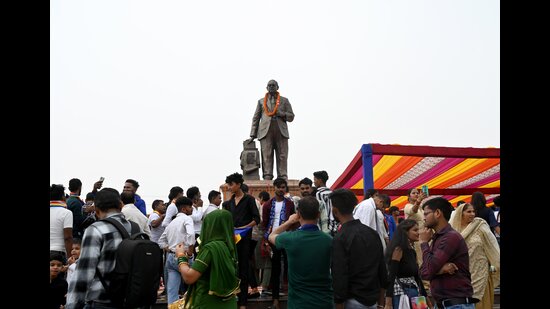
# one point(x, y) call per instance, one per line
point(272, 86)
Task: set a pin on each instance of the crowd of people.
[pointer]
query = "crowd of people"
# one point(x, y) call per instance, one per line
point(324, 248)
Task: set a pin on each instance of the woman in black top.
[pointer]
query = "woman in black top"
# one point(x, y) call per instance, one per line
point(403, 274)
point(484, 212)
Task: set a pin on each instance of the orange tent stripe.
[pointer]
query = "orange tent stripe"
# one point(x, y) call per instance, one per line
point(454, 172)
point(478, 169)
point(397, 170)
point(383, 165)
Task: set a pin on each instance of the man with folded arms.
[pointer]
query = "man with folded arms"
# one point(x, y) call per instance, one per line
point(445, 260)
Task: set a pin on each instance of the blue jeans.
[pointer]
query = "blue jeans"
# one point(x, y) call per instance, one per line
point(352, 303)
point(461, 306)
point(173, 280)
point(411, 292)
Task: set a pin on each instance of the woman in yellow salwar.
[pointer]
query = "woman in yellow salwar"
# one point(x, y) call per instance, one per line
point(213, 276)
point(483, 251)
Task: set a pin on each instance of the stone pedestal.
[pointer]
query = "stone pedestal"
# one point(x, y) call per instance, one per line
point(257, 186)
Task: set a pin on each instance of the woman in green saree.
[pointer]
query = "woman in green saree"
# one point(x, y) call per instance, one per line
point(213, 276)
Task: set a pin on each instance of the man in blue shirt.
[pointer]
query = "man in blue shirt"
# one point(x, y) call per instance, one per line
point(131, 186)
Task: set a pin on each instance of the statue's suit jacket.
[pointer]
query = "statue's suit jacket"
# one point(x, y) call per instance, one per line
point(284, 114)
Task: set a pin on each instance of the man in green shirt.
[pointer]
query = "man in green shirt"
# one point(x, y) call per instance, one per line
point(309, 258)
point(74, 204)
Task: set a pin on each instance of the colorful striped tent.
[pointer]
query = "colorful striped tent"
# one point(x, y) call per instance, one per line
point(452, 172)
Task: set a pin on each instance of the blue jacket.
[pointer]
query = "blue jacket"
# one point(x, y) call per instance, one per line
point(391, 225)
point(140, 204)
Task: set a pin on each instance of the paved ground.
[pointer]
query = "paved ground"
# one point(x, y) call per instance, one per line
point(264, 302)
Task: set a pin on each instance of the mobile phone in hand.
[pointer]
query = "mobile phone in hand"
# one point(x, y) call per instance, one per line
point(101, 179)
point(425, 190)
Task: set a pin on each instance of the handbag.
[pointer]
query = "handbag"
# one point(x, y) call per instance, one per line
point(180, 303)
point(404, 302)
point(419, 302)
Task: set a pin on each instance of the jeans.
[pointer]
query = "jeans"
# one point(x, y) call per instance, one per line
point(173, 277)
point(461, 306)
point(411, 292)
point(352, 303)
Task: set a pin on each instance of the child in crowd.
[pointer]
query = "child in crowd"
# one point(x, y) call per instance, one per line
point(75, 254)
point(58, 285)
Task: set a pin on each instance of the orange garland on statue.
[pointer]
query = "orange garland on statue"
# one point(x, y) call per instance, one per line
point(270, 114)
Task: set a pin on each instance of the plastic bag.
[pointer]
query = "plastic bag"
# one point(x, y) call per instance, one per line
point(404, 302)
point(419, 302)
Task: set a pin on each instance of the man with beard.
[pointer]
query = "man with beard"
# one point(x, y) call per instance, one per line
point(445, 260)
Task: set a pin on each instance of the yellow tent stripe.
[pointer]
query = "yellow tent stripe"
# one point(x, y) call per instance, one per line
point(399, 200)
point(454, 171)
point(494, 184)
point(455, 200)
point(383, 165)
point(358, 185)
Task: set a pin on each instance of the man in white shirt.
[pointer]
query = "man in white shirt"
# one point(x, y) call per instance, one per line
point(215, 199)
point(61, 223)
point(156, 218)
point(172, 210)
point(367, 213)
point(379, 201)
point(132, 213)
point(180, 230)
point(194, 195)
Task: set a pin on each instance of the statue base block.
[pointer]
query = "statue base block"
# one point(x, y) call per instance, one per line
point(257, 186)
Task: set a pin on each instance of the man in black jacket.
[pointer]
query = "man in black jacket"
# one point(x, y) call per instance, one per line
point(358, 269)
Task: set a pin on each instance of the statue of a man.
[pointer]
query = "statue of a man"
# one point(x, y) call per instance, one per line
point(272, 113)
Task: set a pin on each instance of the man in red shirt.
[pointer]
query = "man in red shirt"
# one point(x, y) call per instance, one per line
point(445, 261)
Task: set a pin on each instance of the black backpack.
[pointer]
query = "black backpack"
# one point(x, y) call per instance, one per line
point(136, 277)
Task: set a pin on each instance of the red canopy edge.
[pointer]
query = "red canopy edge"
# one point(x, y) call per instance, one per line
point(355, 164)
point(431, 151)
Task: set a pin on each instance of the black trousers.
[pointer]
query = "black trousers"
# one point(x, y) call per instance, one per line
point(275, 280)
point(252, 267)
point(243, 250)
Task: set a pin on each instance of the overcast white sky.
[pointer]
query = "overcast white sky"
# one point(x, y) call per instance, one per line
point(164, 91)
